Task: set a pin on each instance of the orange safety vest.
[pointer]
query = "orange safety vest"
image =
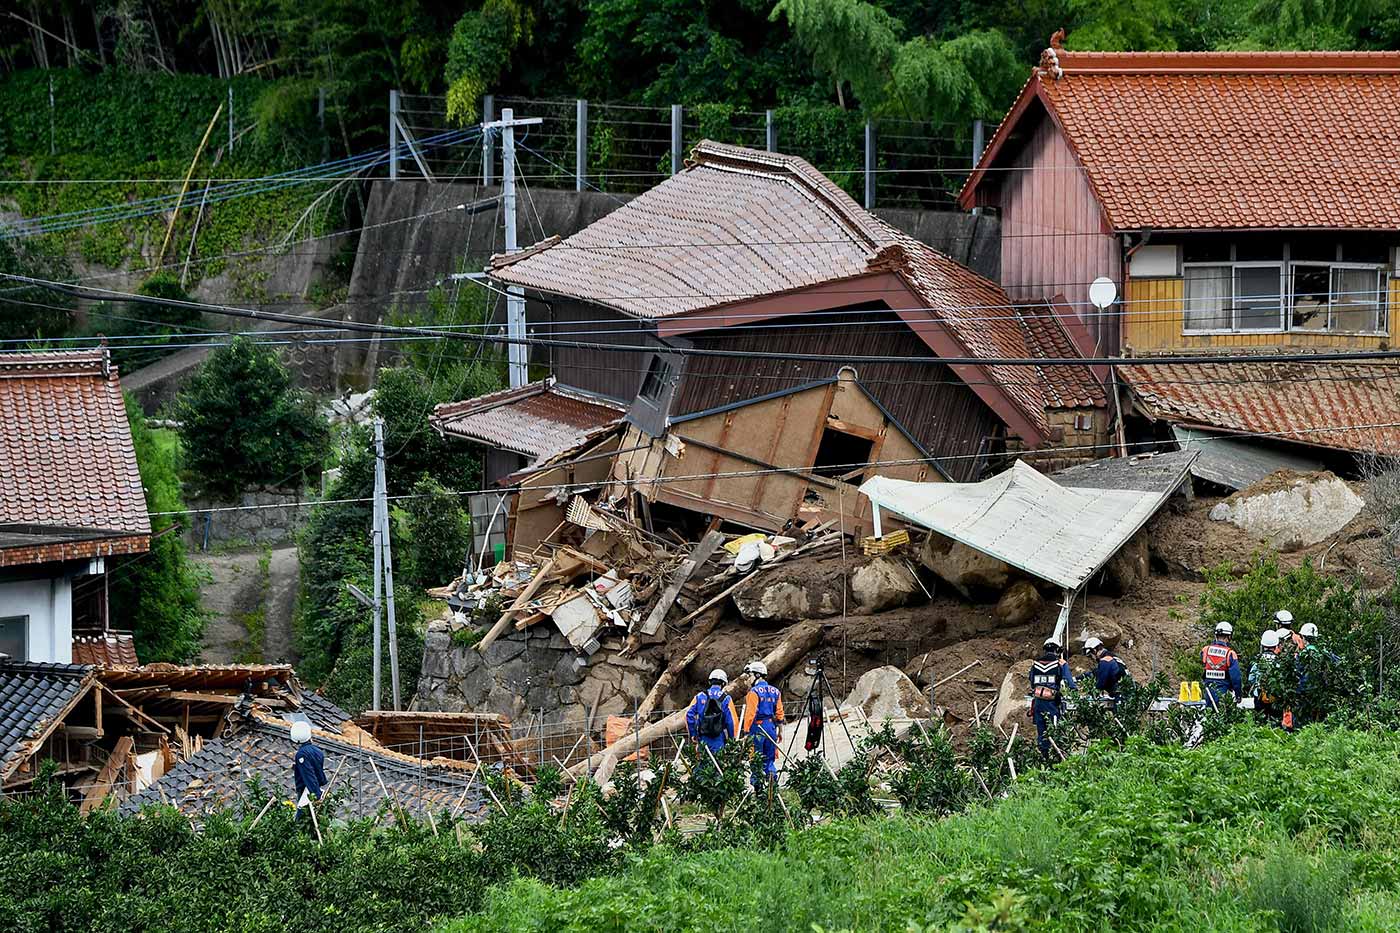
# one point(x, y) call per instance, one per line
point(1216, 658)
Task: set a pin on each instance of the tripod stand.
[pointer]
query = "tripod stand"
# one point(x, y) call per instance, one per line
point(813, 708)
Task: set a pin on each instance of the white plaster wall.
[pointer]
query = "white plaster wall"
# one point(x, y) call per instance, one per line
point(49, 605)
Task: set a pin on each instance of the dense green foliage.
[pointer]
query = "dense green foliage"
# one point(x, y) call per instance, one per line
point(156, 594)
point(333, 631)
point(244, 424)
point(1259, 831)
point(436, 531)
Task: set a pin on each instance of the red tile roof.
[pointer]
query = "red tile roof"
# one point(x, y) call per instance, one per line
point(1320, 404)
point(537, 420)
point(1046, 338)
point(66, 457)
point(105, 649)
point(1193, 140)
point(737, 224)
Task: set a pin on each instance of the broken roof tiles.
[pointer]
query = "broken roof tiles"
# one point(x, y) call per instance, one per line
point(32, 698)
point(71, 464)
point(104, 649)
point(537, 420)
point(1345, 406)
point(218, 776)
point(1202, 140)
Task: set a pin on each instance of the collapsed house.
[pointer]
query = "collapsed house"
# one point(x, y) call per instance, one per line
point(197, 737)
point(778, 260)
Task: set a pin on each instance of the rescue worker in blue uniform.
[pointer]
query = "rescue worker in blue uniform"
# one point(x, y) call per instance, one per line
point(1222, 666)
point(308, 766)
point(763, 714)
point(1108, 670)
point(1049, 677)
point(710, 719)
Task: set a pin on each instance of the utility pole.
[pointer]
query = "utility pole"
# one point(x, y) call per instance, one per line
point(515, 295)
point(384, 562)
point(378, 602)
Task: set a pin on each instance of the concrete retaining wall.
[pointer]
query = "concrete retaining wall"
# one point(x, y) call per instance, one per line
point(276, 517)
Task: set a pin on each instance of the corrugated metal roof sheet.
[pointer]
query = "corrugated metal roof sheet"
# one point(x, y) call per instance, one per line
point(1202, 140)
point(1025, 519)
point(1346, 406)
point(537, 420)
point(66, 456)
point(1238, 462)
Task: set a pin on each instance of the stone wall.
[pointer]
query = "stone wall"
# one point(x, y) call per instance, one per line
point(277, 518)
point(525, 672)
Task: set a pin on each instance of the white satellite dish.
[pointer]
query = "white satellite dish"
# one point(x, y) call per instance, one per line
point(1102, 292)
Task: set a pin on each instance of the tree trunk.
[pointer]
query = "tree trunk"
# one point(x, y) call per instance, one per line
point(674, 669)
point(801, 640)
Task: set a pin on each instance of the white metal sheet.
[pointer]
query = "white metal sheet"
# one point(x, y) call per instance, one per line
point(1025, 518)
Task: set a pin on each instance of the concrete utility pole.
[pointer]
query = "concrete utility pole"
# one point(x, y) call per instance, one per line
point(515, 296)
point(384, 561)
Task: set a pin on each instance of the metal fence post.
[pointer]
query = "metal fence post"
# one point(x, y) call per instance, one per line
point(580, 144)
point(677, 115)
point(488, 115)
point(230, 117)
point(869, 166)
point(978, 144)
point(770, 132)
point(393, 135)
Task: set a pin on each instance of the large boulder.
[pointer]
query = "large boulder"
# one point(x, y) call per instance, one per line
point(789, 595)
point(973, 574)
point(887, 693)
point(1291, 510)
point(1020, 603)
point(1101, 627)
point(1127, 568)
point(884, 583)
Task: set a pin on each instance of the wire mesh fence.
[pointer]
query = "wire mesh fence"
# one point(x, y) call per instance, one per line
point(629, 148)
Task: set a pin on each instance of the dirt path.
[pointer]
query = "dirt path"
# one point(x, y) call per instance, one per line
point(251, 596)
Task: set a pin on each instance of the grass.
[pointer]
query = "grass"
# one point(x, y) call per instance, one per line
point(1258, 832)
point(254, 621)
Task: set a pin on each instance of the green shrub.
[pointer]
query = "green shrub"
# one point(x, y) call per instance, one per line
point(1306, 894)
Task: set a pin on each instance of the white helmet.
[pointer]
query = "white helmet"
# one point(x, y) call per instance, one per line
point(757, 667)
point(301, 732)
point(1309, 630)
point(1284, 618)
point(1052, 642)
point(1269, 639)
point(720, 675)
point(1224, 628)
point(1092, 644)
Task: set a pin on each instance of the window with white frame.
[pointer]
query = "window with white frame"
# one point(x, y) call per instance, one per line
point(1304, 296)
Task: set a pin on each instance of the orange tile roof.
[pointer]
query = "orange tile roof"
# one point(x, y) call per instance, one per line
point(104, 649)
point(1335, 404)
point(738, 224)
point(537, 420)
point(1194, 140)
point(66, 457)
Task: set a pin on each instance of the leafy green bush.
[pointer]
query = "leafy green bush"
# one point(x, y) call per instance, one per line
point(437, 534)
point(244, 424)
point(157, 594)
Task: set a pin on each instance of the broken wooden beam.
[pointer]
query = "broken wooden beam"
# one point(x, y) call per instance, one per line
point(668, 677)
point(687, 568)
point(497, 630)
point(101, 786)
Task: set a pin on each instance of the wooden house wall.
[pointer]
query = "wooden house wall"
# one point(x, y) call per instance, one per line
point(1158, 315)
point(612, 373)
point(730, 455)
point(535, 513)
point(1054, 239)
point(927, 397)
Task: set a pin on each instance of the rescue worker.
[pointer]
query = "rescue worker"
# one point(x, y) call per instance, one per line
point(1286, 636)
point(763, 714)
point(1222, 665)
point(308, 767)
point(710, 719)
point(1108, 672)
point(1050, 674)
point(1259, 673)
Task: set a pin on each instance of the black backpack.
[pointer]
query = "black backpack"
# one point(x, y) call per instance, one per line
point(712, 719)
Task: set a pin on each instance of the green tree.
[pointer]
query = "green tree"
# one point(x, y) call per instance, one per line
point(32, 312)
point(482, 45)
point(156, 326)
point(156, 594)
point(437, 531)
point(244, 424)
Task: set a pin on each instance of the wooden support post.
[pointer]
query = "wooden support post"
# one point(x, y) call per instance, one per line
point(687, 568)
point(520, 602)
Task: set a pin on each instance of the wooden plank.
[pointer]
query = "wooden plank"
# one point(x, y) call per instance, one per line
point(684, 572)
point(504, 621)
